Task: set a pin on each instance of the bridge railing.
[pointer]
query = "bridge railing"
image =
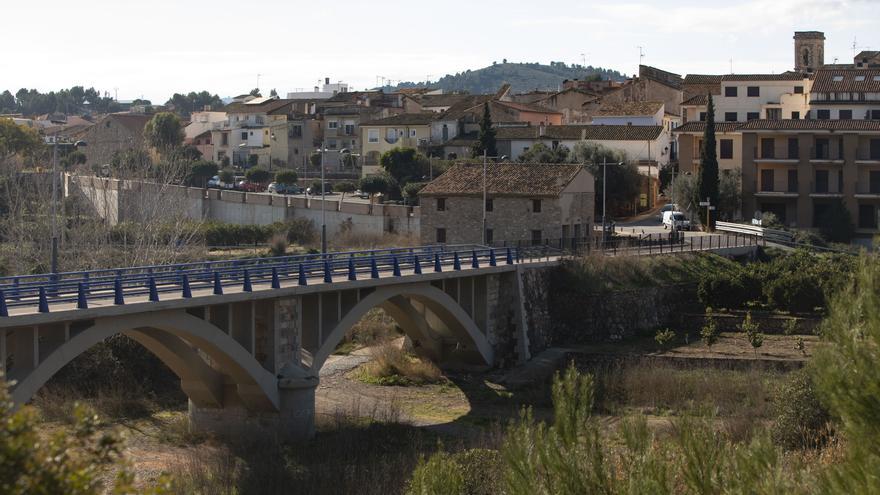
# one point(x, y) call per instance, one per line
point(81, 288)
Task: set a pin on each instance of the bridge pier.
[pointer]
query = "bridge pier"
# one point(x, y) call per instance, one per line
point(294, 419)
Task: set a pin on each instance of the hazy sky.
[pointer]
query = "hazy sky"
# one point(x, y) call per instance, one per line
point(159, 47)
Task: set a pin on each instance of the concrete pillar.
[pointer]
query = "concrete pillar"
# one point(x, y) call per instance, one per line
point(295, 419)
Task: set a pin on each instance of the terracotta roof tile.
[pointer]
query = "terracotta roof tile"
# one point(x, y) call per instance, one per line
point(503, 179)
point(702, 79)
point(630, 108)
point(784, 76)
point(830, 125)
point(850, 81)
point(403, 119)
point(699, 100)
point(698, 126)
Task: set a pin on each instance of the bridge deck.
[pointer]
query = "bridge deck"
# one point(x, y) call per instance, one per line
point(46, 298)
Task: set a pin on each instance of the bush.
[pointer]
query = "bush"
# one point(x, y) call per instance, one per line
point(664, 337)
point(731, 289)
point(709, 332)
point(800, 419)
point(796, 292)
point(258, 175)
point(836, 223)
point(439, 474)
point(288, 177)
point(393, 366)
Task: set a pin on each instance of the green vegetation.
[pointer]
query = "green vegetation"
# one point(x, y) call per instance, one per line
point(391, 365)
point(185, 104)
point(541, 153)
point(258, 175)
point(709, 332)
point(664, 337)
point(71, 101)
point(70, 462)
point(623, 182)
point(486, 137)
point(286, 177)
point(836, 224)
point(404, 165)
point(201, 172)
point(708, 183)
point(376, 184)
point(522, 77)
point(164, 132)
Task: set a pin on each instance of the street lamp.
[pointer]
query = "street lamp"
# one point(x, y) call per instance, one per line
point(54, 260)
point(605, 196)
point(485, 188)
point(322, 150)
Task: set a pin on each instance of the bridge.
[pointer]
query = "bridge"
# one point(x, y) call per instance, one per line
point(247, 338)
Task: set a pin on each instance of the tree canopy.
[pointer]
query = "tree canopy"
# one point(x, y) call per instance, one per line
point(71, 101)
point(375, 184)
point(288, 177)
point(486, 136)
point(623, 183)
point(541, 153)
point(164, 131)
point(17, 139)
point(708, 184)
point(186, 104)
point(404, 165)
point(258, 175)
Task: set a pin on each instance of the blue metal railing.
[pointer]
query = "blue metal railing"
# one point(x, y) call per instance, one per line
point(182, 279)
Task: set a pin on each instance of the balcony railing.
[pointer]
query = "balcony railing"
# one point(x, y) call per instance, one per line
point(868, 156)
point(759, 154)
point(825, 188)
point(825, 154)
point(868, 188)
point(789, 188)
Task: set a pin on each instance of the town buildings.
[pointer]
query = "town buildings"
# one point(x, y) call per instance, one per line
point(525, 204)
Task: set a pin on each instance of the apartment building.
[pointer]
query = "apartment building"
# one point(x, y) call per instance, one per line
point(253, 134)
point(408, 130)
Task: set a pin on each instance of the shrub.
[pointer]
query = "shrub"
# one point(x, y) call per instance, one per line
point(709, 332)
point(664, 337)
point(288, 177)
point(393, 366)
point(796, 292)
point(480, 470)
point(278, 245)
point(751, 329)
point(800, 419)
point(790, 327)
point(258, 175)
point(439, 474)
point(730, 288)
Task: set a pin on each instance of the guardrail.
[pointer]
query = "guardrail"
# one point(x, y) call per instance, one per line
point(118, 284)
point(770, 235)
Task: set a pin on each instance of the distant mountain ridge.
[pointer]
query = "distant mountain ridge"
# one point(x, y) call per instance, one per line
point(522, 77)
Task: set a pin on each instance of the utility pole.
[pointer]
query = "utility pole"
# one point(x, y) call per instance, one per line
point(323, 213)
point(54, 261)
point(604, 196)
point(484, 197)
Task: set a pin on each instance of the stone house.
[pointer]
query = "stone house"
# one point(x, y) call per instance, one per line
point(526, 203)
point(115, 132)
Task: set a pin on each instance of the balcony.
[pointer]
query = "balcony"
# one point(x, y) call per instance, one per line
point(868, 158)
point(825, 190)
point(868, 191)
point(769, 190)
point(826, 155)
point(770, 156)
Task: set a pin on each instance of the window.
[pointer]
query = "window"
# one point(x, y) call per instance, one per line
point(536, 206)
point(798, 90)
point(730, 91)
point(373, 136)
point(874, 182)
point(224, 139)
point(793, 149)
point(767, 180)
point(441, 204)
point(702, 116)
point(792, 181)
point(489, 237)
point(349, 129)
point(332, 124)
point(822, 148)
point(875, 114)
point(730, 116)
point(490, 204)
point(441, 236)
point(296, 131)
point(874, 149)
point(823, 114)
point(821, 181)
point(753, 91)
point(844, 114)
point(755, 115)
point(244, 136)
point(331, 143)
point(876, 78)
point(867, 217)
point(536, 237)
point(774, 114)
point(795, 115)
point(768, 148)
point(860, 78)
point(837, 78)
point(412, 133)
point(726, 149)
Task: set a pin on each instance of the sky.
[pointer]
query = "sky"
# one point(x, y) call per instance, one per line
point(153, 49)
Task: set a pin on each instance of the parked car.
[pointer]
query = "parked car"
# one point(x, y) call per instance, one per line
point(664, 209)
point(214, 181)
point(248, 186)
point(361, 194)
point(277, 188)
point(676, 219)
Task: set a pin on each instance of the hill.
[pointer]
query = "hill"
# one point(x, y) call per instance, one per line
point(522, 77)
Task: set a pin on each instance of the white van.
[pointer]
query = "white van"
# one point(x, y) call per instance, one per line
point(680, 220)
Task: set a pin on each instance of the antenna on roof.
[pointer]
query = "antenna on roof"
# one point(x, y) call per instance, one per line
point(641, 54)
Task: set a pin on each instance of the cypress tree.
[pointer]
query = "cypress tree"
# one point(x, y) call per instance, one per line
point(708, 165)
point(486, 135)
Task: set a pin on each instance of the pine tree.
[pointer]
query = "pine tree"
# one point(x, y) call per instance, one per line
point(708, 165)
point(486, 136)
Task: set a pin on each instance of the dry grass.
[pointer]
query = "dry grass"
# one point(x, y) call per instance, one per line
point(658, 389)
point(354, 241)
point(375, 328)
point(391, 365)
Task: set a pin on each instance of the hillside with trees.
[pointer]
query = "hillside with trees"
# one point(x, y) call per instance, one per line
point(522, 77)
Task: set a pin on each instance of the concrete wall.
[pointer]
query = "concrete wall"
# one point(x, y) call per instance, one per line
point(119, 201)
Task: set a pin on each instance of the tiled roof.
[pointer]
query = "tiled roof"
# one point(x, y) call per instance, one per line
point(134, 122)
point(825, 81)
point(698, 126)
point(525, 107)
point(586, 132)
point(830, 125)
point(503, 179)
point(630, 108)
point(699, 100)
point(403, 119)
point(268, 106)
point(446, 100)
point(465, 106)
point(702, 79)
point(785, 76)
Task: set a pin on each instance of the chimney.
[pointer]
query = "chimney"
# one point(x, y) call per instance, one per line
point(317, 89)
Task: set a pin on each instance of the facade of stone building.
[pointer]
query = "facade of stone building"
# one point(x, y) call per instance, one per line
point(526, 204)
point(115, 132)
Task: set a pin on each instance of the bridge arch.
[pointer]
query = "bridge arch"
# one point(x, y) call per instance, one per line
point(396, 300)
point(170, 335)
